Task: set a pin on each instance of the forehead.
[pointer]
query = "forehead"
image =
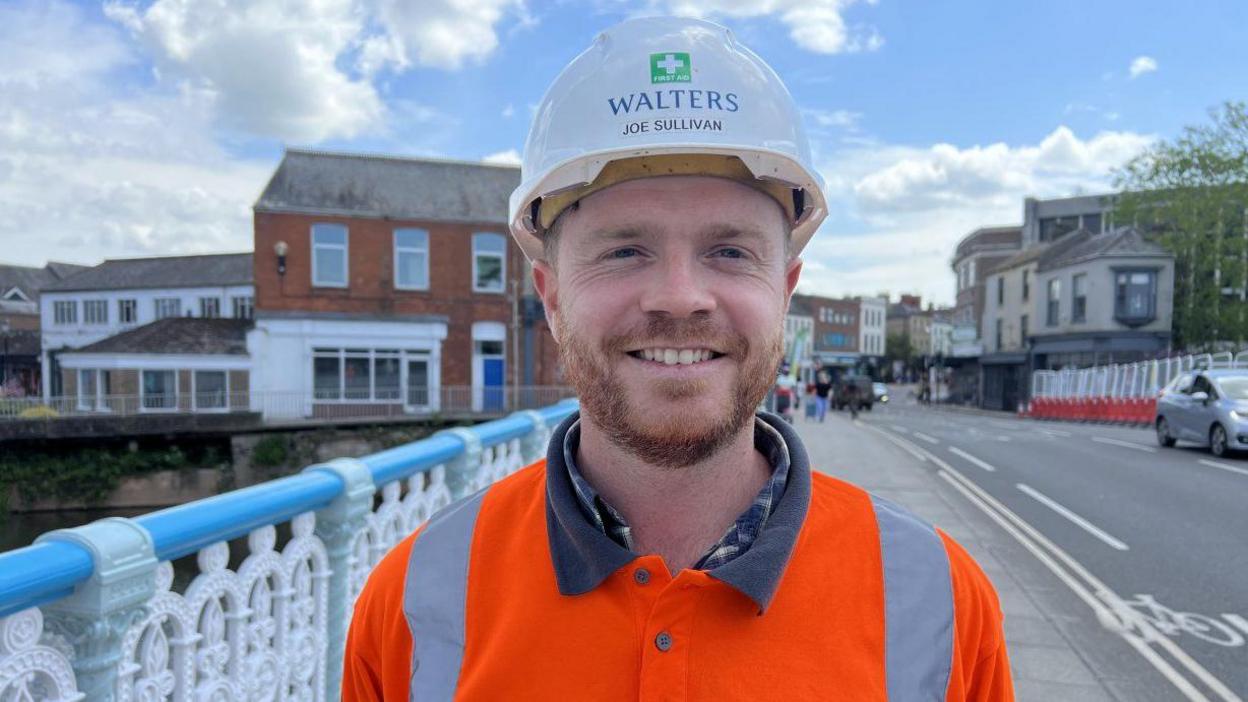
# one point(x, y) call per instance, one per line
point(679, 204)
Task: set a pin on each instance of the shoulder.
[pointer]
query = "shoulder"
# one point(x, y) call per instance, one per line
point(976, 605)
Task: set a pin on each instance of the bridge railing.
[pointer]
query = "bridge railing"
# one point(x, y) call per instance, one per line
point(94, 612)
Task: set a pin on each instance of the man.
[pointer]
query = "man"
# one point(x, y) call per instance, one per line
point(823, 388)
point(674, 544)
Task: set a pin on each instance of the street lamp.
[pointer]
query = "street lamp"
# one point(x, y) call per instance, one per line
point(280, 248)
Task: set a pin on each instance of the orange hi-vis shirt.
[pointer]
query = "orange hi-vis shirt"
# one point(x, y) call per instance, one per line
point(512, 595)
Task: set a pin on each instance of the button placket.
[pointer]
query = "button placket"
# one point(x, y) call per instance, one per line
point(668, 632)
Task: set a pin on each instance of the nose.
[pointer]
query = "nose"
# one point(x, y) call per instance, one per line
point(678, 289)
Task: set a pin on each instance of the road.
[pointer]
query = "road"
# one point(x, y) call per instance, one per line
point(1131, 523)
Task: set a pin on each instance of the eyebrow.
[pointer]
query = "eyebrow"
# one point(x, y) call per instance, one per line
point(717, 231)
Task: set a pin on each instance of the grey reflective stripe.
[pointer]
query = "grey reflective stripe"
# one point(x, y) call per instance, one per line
point(433, 599)
point(918, 606)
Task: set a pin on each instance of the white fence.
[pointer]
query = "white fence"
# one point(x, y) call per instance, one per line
point(1128, 380)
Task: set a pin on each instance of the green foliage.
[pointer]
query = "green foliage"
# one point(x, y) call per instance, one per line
point(1191, 195)
point(87, 476)
point(38, 412)
point(271, 451)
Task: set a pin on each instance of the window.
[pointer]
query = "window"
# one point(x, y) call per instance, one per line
point(1000, 290)
point(15, 294)
point(834, 339)
point(1079, 302)
point(411, 259)
point(1026, 284)
point(65, 311)
point(210, 307)
point(87, 391)
point(1202, 384)
point(386, 375)
point(168, 307)
point(1135, 296)
point(1055, 296)
point(95, 311)
point(998, 334)
point(211, 388)
point(358, 375)
point(244, 307)
point(159, 390)
point(127, 311)
point(488, 268)
point(94, 387)
point(1053, 228)
point(1022, 328)
point(329, 255)
point(1092, 222)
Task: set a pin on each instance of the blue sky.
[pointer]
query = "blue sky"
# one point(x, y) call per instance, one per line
point(144, 128)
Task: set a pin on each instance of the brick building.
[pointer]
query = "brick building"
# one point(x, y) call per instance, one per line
point(385, 280)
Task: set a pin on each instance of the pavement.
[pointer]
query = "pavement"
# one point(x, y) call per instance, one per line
point(977, 476)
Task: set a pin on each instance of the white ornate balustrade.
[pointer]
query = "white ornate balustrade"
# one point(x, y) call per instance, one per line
point(270, 627)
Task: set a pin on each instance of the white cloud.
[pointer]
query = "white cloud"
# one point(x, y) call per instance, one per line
point(268, 68)
point(945, 175)
point(508, 111)
point(510, 157)
point(814, 25)
point(1142, 65)
point(85, 174)
point(440, 33)
point(897, 212)
point(302, 71)
point(843, 119)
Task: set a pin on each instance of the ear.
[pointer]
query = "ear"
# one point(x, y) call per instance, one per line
point(792, 271)
point(546, 283)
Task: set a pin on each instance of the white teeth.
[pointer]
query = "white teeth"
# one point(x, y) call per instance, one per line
point(672, 357)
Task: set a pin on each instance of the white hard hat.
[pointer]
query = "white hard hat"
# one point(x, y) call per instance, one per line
point(664, 96)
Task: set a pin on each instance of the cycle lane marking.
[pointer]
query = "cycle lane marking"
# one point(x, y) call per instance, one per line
point(1124, 444)
point(1076, 519)
point(1083, 584)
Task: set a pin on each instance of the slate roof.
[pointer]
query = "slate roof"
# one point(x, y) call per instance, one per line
point(1024, 257)
point(320, 182)
point(801, 306)
point(31, 280)
point(1083, 245)
point(181, 335)
point(209, 270)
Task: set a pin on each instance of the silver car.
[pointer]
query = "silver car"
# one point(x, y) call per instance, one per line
point(1208, 407)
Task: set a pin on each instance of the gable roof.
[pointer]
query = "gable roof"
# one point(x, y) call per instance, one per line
point(211, 270)
point(31, 280)
point(181, 335)
point(363, 185)
point(1083, 245)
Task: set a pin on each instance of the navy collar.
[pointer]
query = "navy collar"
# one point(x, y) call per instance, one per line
point(584, 556)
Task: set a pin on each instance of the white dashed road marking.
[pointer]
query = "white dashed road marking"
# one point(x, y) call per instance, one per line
point(986, 466)
point(1079, 521)
point(1124, 444)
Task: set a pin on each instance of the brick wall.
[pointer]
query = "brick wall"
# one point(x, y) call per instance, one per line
point(371, 289)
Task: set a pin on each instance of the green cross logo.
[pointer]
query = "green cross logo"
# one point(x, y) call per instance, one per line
point(670, 67)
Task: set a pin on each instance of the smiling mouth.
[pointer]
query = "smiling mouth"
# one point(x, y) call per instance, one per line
point(675, 357)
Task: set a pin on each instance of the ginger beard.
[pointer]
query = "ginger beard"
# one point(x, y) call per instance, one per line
point(650, 435)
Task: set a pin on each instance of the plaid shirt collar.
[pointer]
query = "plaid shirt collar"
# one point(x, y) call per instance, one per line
point(739, 536)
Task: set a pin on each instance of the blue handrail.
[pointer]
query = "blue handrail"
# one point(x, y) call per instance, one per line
point(49, 571)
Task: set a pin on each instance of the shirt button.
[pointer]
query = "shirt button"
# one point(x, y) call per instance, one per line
point(641, 576)
point(663, 641)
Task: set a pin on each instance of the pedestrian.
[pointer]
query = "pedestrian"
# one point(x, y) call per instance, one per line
point(823, 389)
point(674, 543)
point(786, 394)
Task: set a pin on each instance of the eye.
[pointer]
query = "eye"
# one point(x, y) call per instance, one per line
point(622, 253)
point(729, 252)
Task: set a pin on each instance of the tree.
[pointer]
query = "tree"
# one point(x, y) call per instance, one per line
point(1191, 195)
point(897, 348)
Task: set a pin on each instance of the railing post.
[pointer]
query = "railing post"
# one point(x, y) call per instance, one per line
point(463, 471)
point(94, 618)
point(533, 445)
point(337, 526)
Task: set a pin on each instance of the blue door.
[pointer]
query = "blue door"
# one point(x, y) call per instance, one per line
point(492, 394)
